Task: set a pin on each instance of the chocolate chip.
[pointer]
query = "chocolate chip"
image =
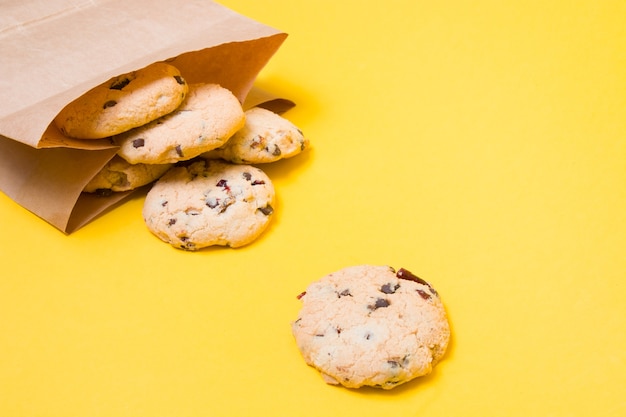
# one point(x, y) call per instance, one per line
point(180, 80)
point(258, 182)
point(393, 364)
point(344, 293)
point(227, 202)
point(388, 289)
point(247, 176)
point(402, 362)
point(380, 303)
point(109, 103)
point(171, 222)
point(179, 151)
point(257, 141)
point(119, 83)
point(408, 275)
point(404, 274)
point(277, 151)
point(221, 183)
point(212, 202)
point(138, 143)
point(267, 210)
point(423, 294)
point(103, 192)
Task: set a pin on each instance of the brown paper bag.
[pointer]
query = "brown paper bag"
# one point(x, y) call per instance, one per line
point(52, 52)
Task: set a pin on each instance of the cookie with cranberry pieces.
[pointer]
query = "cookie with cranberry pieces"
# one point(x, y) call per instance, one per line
point(266, 137)
point(207, 118)
point(124, 102)
point(371, 325)
point(118, 175)
point(206, 203)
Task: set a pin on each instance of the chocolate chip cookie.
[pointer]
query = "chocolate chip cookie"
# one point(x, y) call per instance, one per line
point(266, 137)
point(207, 118)
point(371, 326)
point(206, 203)
point(124, 102)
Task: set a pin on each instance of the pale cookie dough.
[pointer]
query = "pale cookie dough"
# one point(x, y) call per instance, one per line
point(266, 137)
point(118, 175)
point(207, 118)
point(371, 326)
point(123, 102)
point(209, 203)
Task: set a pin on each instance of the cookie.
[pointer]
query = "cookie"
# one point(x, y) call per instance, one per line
point(371, 326)
point(119, 175)
point(124, 102)
point(207, 118)
point(266, 137)
point(206, 203)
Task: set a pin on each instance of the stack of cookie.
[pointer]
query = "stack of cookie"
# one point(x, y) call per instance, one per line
point(198, 145)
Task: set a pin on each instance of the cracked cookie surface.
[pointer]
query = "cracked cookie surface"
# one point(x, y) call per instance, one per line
point(208, 203)
point(123, 103)
point(373, 326)
point(206, 119)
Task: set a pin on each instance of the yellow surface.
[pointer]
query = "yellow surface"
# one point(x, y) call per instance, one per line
point(480, 144)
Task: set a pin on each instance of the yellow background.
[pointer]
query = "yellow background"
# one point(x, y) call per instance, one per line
point(480, 144)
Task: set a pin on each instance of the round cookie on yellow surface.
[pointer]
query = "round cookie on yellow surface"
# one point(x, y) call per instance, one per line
point(207, 118)
point(206, 203)
point(123, 102)
point(371, 325)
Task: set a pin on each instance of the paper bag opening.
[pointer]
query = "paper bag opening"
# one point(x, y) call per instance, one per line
point(44, 171)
